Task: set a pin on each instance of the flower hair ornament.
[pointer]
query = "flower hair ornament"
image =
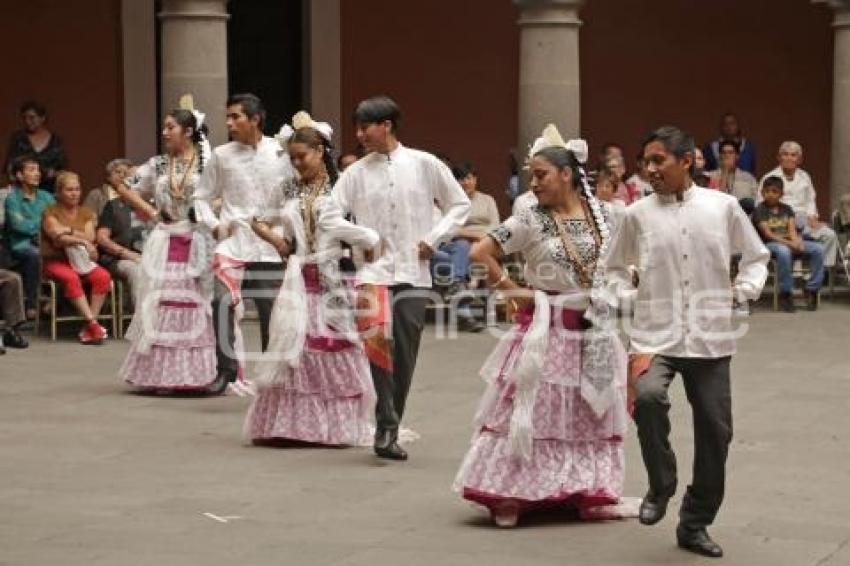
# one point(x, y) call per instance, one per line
point(303, 120)
point(187, 102)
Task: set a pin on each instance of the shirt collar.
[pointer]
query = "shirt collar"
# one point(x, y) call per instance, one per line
point(686, 196)
point(396, 153)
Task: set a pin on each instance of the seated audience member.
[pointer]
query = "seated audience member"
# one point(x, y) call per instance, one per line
point(23, 210)
point(116, 171)
point(483, 217)
point(699, 176)
point(800, 195)
point(776, 223)
point(11, 310)
point(345, 161)
point(639, 185)
point(68, 251)
point(615, 167)
point(606, 182)
point(35, 140)
point(732, 179)
point(118, 242)
point(730, 130)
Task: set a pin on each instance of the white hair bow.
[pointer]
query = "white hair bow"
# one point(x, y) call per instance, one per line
point(551, 137)
point(303, 120)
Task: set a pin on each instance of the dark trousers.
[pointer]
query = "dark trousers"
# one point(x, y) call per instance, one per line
point(408, 321)
point(28, 265)
point(707, 386)
point(262, 278)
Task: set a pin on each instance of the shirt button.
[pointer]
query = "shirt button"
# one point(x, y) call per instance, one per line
point(687, 283)
point(684, 231)
point(685, 256)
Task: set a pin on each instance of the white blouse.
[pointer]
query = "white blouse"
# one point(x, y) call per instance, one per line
point(533, 231)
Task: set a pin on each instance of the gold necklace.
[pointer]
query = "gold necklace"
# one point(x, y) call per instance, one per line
point(308, 198)
point(178, 192)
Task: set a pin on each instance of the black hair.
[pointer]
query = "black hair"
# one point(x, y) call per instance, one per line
point(251, 105)
point(463, 171)
point(35, 106)
point(312, 138)
point(343, 156)
point(735, 145)
point(562, 158)
point(186, 119)
point(611, 145)
point(19, 163)
point(774, 181)
point(376, 110)
point(674, 140)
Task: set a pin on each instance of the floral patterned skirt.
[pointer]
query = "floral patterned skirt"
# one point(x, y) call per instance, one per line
point(577, 456)
point(328, 399)
point(182, 357)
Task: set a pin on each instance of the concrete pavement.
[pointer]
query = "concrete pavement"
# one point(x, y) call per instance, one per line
point(93, 475)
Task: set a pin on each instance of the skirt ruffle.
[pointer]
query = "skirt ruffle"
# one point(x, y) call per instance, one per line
point(328, 399)
point(182, 355)
point(577, 457)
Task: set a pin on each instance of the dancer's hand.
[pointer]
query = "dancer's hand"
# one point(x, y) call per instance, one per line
point(372, 254)
point(425, 251)
point(261, 228)
point(222, 232)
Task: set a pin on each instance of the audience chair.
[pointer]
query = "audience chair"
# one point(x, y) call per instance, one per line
point(54, 300)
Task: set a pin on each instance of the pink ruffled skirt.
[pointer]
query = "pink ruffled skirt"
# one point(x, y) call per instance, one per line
point(328, 399)
point(182, 358)
point(577, 457)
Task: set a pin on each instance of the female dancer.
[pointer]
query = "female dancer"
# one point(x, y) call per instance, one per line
point(550, 427)
point(172, 334)
point(314, 383)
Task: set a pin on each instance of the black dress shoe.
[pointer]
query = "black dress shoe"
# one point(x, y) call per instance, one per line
point(652, 509)
point(219, 385)
point(12, 339)
point(386, 445)
point(391, 452)
point(811, 300)
point(698, 542)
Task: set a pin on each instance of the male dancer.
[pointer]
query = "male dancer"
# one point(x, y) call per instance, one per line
point(247, 174)
point(681, 238)
point(392, 189)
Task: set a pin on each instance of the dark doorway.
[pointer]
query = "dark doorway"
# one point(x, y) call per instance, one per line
point(265, 54)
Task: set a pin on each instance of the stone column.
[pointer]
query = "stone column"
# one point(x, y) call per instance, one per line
point(840, 159)
point(138, 51)
point(194, 58)
point(548, 68)
point(324, 67)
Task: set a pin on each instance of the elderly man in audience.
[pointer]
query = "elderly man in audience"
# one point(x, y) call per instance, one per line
point(11, 310)
point(730, 178)
point(116, 172)
point(799, 194)
point(24, 207)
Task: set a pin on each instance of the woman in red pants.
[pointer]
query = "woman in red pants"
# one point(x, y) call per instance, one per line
point(68, 252)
